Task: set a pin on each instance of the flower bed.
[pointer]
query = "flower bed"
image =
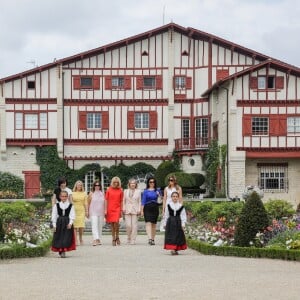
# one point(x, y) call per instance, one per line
point(24, 230)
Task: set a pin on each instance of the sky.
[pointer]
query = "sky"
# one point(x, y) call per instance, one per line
point(35, 32)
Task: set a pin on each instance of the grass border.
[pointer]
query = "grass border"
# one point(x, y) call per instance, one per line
point(250, 252)
point(22, 252)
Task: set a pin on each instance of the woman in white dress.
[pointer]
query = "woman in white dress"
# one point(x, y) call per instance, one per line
point(167, 199)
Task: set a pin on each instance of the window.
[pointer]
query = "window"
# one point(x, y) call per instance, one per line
point(86, 82)
point(141, 120)
point(201, 126)
point(260, 126)
point(293, 125)
point(31, 121)
point(266, 82)
point(273, 178)
point(180, 82)
point(149, 82)
point(94, 120)
point(185, 131)
point(117, 82)
point(31, 84)
point(137, 120)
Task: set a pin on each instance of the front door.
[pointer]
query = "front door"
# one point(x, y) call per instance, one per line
point(32, 183)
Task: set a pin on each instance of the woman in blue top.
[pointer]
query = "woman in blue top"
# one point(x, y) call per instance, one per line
point(150, 208)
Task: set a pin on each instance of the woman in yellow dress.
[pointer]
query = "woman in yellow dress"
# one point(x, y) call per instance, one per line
point(79, 197)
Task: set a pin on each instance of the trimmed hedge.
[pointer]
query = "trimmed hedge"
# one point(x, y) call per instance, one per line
point(22, 252)
point(250, 252)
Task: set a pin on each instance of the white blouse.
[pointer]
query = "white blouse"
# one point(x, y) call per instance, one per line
point(175, 206)
point(63, 206)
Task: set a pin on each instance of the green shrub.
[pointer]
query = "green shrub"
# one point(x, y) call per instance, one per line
point(199, 179)
point(11, 186)
point(253, 219)
point(277, 209)
point(199, 210)
point(228, 211)
point(16, 211)
point(185, 180)
point(2, 233)
point(163, 170)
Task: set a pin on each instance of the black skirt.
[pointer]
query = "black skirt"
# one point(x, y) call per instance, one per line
point(151, 212)
point(63, 238)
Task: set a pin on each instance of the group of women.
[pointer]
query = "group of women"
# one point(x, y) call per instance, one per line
point(111, 206)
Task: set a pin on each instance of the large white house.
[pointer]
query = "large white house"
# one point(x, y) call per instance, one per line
point(138, 99)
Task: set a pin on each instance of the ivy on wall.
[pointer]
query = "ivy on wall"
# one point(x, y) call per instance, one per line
point(214, 158)
point(52, 167)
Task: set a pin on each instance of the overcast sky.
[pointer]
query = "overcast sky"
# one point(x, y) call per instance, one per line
point(34, 32)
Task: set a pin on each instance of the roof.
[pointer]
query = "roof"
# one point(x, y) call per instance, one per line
point(189, 31)
point(276, 64)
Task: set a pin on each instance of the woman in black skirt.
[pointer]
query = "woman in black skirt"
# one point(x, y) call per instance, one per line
point(63, 215)
point(175, 219)
point(150, 208)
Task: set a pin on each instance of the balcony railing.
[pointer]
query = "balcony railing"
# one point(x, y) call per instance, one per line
point(191, 143)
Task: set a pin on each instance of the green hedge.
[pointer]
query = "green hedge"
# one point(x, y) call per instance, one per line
point(208, 249)
point(21, 252)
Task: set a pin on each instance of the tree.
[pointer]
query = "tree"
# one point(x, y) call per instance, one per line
point(253, 219)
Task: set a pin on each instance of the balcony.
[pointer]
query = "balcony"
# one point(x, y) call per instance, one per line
point(186, 144)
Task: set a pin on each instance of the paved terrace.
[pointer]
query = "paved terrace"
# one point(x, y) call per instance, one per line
point(146, 272)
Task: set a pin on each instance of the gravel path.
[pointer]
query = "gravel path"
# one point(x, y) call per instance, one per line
point(146, 272)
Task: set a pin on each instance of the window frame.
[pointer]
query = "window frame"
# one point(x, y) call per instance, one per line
point(149, 87)
point(260, 123)
point(94, 118)
point(120, 80)
point(201, 131)
point(292, 128)
point(142, 120)
point(273, 178)
point(266, 82)
point(179, 82)
point(25, 121)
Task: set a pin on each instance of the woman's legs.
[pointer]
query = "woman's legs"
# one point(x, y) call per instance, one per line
point(128, 223)
point(101, 222)
point(81, 235)
point(95, 230)
point(153, 232)
point(113, 233)
point(134, 228)
point(117, 226)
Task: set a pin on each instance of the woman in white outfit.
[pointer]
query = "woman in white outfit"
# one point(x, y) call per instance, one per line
point(96, 203)
point(167, 199)
point(131, 210)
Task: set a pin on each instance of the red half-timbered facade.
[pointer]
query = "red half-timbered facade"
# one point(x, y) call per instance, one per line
point(141, 98)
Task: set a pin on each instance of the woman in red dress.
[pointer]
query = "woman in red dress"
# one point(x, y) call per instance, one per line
point(113, 208)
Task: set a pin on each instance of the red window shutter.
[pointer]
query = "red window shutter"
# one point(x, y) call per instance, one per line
point(282, 126)
point(273, 126)
point(153, 120)
point(130, 120)
point(82, 120)
point(76, 82)
point(279, 82)
point(277, 126)
point(105, 120)
point(139, 82)
point(222, 74)
point(158, 82)
point(108, 82)
point(247, 125)
point(96, 83)
point(188, 82)
point(253, 82)
point(127, 82)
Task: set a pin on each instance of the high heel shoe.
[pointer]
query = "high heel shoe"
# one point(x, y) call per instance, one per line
point(118, 241)
point(114, 242)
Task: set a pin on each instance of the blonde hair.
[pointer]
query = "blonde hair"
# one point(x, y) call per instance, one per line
point(132, 180)
point(116, 178)
point(75, 186)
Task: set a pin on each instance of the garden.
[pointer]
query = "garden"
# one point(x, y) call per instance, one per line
point(250, 228)
point(24, 229)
